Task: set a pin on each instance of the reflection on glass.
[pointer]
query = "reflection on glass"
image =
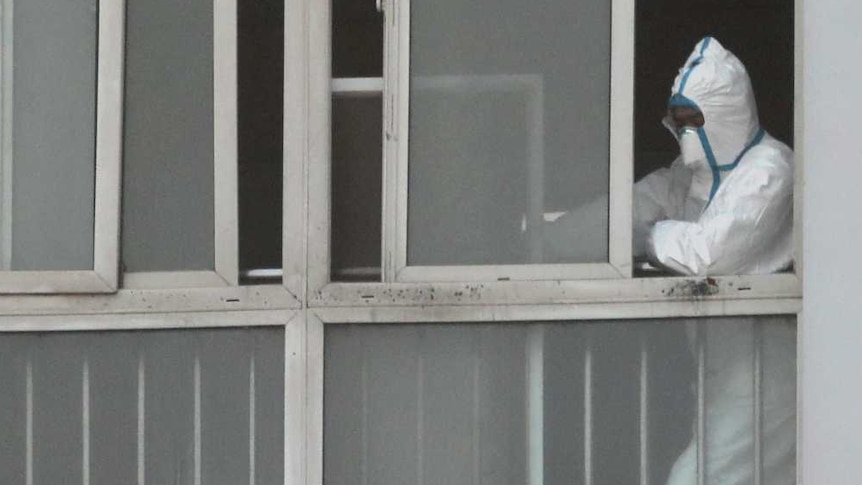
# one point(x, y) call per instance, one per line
point(557, 402)
point(47, 163)
point(508, 129)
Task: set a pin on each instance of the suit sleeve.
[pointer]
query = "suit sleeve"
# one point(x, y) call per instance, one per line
point(743, 221)
point(654, 200)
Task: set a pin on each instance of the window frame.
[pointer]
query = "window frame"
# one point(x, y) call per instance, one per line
point(225, 177)
point(395, 302)
point(308, 50)
point(396, 91)
point(109, 121)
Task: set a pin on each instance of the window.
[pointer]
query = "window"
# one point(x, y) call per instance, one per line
point(180, 145)
point(142, 407)
point(585, 402)
point(454, 88)
point(61, 87)
point(392, 169)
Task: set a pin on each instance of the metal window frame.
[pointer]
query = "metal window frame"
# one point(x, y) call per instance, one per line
point(396, 90)
point(309, 93)
point(109, 92)
point(400, 302)
point(225, 156)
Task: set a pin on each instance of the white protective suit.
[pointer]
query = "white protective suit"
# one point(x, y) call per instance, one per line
point(725, 207)
point(725, 204)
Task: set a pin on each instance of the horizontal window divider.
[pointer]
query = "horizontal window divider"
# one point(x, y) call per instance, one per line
point(561, 292)
point(143, 321)
point(525, 272)
point(645, 311)
point(173, 279)
point(127, 301)
point(52, 282)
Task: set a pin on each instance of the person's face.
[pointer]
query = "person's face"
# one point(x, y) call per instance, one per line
point(684, 116)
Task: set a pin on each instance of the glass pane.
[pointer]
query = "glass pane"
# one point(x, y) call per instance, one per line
point(49, 135)
point(164, 394)
point(509, 128)
point(357, 174)
point(261, 67)
point(168, 136)
point(555, 402)
point(357, 39)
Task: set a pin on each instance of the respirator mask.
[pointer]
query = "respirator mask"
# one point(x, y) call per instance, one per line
point(690, 146)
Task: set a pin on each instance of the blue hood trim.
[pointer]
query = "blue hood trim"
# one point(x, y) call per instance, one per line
point(717, 169)
point(704, 44)
point(679, 99)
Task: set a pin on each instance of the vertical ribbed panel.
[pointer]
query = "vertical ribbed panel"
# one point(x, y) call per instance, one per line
point(543, 403)
point(149, 407)
point(536, 405)
point(57, 409)
point(13, 412)
point(700, 428)
point(757, 404)
point(644, 415)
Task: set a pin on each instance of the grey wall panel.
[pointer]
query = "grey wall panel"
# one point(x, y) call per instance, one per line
point(671, 397)
point(170, 414)
point(168, 136)
point(616, 420)
point(447, 406)
point(450, 403)
point(57, 405)
point(168, 426)
point(502, 383)
point(393, 406)
point(113, 362)
point(564, 404)
point(13, 438)
point(54, 125)
point(269, 380)
point(225, 366)
point(344, 405)
point(779, 339)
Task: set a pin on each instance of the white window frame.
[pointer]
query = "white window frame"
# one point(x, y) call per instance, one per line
point(308, 106)
point(225, 156)
point(109, 93)
point(407, 297)
point(396, 89)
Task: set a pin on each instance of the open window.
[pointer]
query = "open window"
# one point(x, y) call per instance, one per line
point(489, 139)
point(204, 181)
point(60, 105)
point(180, 145)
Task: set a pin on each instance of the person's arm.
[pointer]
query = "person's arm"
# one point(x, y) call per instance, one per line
point(655, 199)
point(581, 234)
point(743, 220)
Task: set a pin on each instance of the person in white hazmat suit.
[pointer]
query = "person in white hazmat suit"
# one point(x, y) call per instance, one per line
point(723, 207)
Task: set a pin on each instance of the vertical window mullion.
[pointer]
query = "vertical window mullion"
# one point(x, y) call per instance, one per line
point(225, 152)
point(621, 136)
point(396, 89)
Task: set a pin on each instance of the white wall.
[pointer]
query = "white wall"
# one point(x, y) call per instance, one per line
point(831, 344)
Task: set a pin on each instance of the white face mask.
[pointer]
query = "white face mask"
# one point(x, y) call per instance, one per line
point(691, 148)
